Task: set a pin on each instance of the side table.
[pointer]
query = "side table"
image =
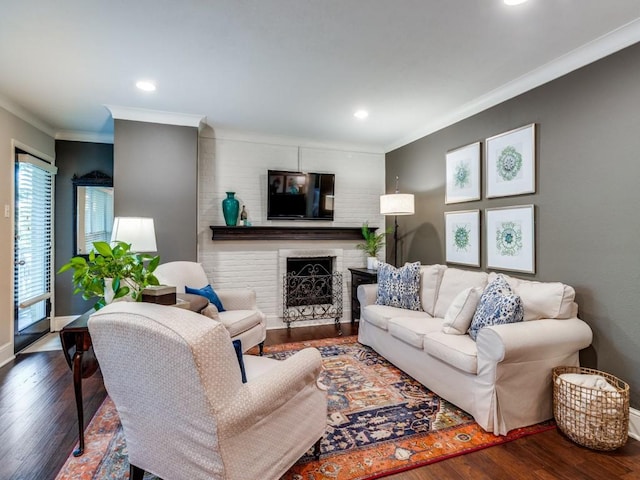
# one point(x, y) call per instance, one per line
point(359, 276)
point(78, 352)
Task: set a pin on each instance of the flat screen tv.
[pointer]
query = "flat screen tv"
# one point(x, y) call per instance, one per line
point(299, 195)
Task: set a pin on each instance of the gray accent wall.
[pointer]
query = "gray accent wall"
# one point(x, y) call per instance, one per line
point(587, 199)
point(155, 175)
point(73, 158)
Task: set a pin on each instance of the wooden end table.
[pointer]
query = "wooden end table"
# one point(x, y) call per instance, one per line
point(359, 276)
point(78, 352)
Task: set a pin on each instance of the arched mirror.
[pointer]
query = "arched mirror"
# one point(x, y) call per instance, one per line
point(93, 210)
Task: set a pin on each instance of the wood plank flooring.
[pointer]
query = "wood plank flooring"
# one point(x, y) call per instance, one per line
point(38, 429)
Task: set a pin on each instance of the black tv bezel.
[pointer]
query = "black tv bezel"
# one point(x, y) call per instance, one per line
point(285, 173)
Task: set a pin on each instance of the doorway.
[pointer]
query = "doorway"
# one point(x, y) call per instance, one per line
point(33, 248)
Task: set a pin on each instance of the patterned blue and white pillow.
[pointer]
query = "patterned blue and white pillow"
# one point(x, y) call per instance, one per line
point(399, 287)
point(498, 305)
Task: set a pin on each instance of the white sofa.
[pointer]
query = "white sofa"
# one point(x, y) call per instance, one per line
point(503, 379)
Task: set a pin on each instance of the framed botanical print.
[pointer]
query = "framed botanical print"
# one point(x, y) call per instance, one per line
point(463, 174)
point(462, 237)
point(511, 238)
point(511, 162)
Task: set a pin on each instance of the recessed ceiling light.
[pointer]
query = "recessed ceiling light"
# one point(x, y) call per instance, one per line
point(513, 2)
point(146, 86)
point(361, 114)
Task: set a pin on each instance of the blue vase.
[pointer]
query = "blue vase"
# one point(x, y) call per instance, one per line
point(230, 209)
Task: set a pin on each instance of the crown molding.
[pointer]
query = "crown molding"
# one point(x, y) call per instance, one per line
point(284, 141)
point(597, 49)
point(155, 116)
point(89, 137)
point(26, 116)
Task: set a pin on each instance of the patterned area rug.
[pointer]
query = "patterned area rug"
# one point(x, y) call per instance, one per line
point(380, 421)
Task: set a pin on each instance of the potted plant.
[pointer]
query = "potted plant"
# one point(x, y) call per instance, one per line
point(110, 273)
point(372, 244)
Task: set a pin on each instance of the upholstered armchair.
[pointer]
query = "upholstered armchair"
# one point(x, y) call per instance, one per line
point(241, 316)
point(176, 383)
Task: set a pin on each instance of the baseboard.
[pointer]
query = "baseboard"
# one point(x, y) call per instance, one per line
point(58, 323)
point(634, 423)
point(6, 353)
point(274, 322)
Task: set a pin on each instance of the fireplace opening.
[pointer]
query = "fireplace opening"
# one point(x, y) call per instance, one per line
point(309, 281)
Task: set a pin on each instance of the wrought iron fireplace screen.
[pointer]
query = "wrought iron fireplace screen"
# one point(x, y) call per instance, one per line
point(311, 290)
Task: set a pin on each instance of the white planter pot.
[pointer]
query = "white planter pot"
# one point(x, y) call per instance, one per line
point(109, 293)
point(372, 263)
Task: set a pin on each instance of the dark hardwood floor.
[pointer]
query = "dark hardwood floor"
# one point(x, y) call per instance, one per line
point(38, 429)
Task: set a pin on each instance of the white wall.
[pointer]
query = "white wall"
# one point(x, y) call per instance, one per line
point(241, 166)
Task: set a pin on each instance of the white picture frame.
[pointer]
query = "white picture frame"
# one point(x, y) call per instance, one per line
point(463, 174)
point(462, 237)
point(510, 162)
point(510, 238)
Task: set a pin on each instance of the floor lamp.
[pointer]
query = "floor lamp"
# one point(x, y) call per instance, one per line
point(397, 204)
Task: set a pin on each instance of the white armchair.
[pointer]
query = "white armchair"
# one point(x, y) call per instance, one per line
point(176, 383)
point(242, 317)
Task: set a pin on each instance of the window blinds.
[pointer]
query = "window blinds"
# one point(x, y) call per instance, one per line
point(98, 216)
point(33, 242)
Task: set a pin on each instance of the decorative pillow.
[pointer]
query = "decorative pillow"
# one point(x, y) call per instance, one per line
point(399, 287)
point(208, 293)
point(459, 315)
point(498, 305)
point(237, 345)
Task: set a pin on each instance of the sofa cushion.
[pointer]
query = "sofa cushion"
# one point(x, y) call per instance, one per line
point(454, 280)
point(412, 330)
point(459, 351)
point(379, 315)
point(239, 321)
point(399, 287)
point(430, 278)
point(459, 315)
point(498, 306)
point(542, 299)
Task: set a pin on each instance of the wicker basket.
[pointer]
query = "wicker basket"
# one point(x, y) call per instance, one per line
point(591, 417)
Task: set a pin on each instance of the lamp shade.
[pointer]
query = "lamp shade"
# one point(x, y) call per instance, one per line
point(397, 204)
point(137, 231)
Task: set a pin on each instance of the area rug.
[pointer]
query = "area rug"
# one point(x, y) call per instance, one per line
point(380, 422)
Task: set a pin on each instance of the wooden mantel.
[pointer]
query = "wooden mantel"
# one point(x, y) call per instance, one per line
point(286, 233)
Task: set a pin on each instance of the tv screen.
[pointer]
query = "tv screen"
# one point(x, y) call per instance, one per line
point(299, 195)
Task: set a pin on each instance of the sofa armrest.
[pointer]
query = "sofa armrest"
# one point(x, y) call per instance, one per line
point(534, 339)
point(367, 294)
point(237, 298)
point(266, 394)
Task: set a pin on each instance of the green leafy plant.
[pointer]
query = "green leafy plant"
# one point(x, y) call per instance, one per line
point(372, 242)
point(127, 271)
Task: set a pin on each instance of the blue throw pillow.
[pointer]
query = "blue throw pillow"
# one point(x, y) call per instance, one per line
point(237, 344)
point(208, 293)
point(399, 287)
point(498, 305)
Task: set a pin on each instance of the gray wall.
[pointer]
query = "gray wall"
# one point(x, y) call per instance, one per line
point(155, 175)
point(72, 158)
point(587, 199)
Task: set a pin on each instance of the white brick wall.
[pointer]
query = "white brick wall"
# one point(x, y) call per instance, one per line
point(241, 167)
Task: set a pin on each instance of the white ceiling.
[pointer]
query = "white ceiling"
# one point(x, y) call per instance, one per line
point(295, 68)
